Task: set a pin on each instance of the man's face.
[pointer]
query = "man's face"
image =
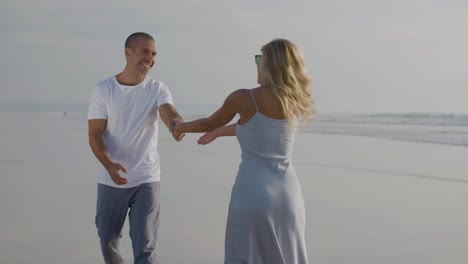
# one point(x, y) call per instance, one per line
point(141, 56)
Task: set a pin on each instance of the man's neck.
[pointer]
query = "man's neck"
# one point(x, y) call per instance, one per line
point(130, 78)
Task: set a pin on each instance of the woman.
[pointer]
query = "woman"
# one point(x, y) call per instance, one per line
point(266, 219)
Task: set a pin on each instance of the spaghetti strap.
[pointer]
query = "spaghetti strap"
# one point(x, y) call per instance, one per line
point(256, 107)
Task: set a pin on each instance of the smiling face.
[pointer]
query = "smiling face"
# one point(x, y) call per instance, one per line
point(141, 55)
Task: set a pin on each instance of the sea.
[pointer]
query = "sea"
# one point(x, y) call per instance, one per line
point(437, 128)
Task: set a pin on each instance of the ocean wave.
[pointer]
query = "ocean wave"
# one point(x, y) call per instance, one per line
point(424, 119)
point(451, 129)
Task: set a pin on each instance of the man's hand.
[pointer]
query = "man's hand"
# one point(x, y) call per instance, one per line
point(176, 132)
point(113, 170)
point(171, 118)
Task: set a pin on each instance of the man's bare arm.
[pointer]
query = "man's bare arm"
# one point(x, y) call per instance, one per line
point(96, 128)
point(170, 117)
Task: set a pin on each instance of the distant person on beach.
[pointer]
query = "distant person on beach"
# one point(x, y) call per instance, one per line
point(266, 218)
point(123, 128)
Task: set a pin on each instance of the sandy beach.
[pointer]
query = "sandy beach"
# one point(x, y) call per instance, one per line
point(368, 200)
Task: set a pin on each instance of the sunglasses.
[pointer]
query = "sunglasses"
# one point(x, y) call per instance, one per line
point(257, 59)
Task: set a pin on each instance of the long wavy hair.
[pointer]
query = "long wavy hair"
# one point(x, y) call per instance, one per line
point(282, 68)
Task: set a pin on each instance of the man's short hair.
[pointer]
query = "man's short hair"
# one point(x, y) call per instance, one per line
point(134, 37)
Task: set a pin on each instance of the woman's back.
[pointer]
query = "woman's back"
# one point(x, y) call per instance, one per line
point(261, 100)
point(266, 134)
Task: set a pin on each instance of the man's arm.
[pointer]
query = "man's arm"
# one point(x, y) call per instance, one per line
point(170, 117)
point(219, 132)
point(96, 128)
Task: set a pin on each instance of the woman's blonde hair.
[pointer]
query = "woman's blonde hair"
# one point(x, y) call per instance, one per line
point(282, 68)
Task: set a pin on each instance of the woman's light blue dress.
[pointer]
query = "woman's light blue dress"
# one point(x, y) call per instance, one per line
point(266, 219)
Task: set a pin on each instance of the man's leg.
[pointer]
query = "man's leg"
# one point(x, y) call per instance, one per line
point(111, 210)
point(144, 222)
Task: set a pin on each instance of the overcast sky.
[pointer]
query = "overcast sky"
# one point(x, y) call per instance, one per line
point(364, 55)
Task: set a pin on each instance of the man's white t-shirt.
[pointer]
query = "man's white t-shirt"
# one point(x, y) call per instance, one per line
point(132, 127)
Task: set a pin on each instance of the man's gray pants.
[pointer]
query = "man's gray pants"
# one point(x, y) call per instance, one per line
point(111, 211)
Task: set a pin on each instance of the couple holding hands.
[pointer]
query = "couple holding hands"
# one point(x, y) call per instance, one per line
point(266, 217)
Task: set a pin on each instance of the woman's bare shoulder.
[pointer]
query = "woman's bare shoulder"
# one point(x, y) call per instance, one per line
point(241, 93)
point(240, 99)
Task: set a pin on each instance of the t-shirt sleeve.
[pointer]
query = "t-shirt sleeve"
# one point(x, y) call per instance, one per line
point(164, 95)
point(97, 105)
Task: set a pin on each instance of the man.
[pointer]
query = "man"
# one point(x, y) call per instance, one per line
point(123, 127)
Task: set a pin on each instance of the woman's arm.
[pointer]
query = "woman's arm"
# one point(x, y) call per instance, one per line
point(219, 132)
point(218, 119)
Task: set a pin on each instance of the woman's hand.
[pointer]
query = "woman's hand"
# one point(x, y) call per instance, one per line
point(207, 138)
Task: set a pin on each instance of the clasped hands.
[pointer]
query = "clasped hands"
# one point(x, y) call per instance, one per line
point(175, 130)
